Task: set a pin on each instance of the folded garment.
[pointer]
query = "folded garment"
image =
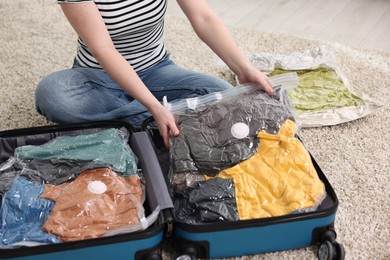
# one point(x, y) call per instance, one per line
point(40, 171)
point(320, 89)
point(56, 171)
point(324, 95)
point(182, 181)
point(12, 168)
point(206, 201)
point(279, 179)
point(23, 214)
point(95, 202)
point(225, 133)
point(107, 147)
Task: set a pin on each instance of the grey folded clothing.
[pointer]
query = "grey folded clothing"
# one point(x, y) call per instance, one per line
point(207, 201)
point(225, 133)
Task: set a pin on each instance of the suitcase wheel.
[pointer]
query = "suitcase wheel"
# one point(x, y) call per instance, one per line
point(331, 250)
point(152, 256)
point(189, 252)
point(186, 257)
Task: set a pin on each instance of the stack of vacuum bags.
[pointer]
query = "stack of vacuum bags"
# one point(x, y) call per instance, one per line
point(238, 156)
point(70, 188)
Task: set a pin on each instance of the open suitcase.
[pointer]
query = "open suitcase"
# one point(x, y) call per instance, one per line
point(144, 244)
point(210, 240)
point(257, 236)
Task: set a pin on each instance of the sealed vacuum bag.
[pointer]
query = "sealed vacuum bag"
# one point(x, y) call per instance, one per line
point(324, 95)
point(217, 134)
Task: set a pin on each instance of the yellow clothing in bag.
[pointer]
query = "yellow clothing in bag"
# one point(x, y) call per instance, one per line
point(279, 179)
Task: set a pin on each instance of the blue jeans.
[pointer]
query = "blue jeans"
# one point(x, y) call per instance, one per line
point(85, 94)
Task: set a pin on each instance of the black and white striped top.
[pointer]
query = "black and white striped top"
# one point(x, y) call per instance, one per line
point(136, 28)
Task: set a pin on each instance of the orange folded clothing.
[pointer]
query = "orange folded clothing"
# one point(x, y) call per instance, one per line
point(95, 202)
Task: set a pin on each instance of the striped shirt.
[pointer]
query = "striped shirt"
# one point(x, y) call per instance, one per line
point(136, 28)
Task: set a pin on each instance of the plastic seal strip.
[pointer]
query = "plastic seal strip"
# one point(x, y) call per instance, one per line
point(144, 224)
point(286, 80)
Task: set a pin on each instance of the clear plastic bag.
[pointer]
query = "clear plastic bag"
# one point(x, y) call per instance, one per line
point(107, 147)
point(182, 106)
point(279, 179)
point(326, 99)
point(12, 168)
point(246, 136)
point(206, 201)
point(219, 130)
point(94, 175)
point(22, 215)
point(94, 203)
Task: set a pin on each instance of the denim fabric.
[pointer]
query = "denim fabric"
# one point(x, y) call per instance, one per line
point(85, 94)
point(23, 214)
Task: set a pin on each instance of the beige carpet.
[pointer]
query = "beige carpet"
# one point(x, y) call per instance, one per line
point(36, 40)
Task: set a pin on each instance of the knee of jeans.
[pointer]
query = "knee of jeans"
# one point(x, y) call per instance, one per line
point(206, 84)
point(49, 98)
point(43, 94)
point(217, 86)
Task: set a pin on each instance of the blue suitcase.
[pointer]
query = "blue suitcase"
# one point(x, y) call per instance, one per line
point(146, 244)
point(248, 237)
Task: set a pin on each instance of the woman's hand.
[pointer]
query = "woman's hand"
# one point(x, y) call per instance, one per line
point(165, 122)
point(252, 75)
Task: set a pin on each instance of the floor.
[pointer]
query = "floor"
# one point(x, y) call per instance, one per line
point(358, 23)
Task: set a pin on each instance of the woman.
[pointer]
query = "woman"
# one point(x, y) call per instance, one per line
point(122, 69)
